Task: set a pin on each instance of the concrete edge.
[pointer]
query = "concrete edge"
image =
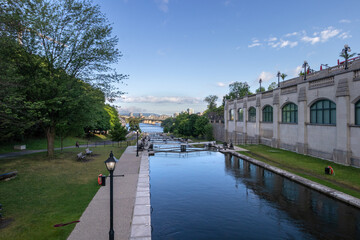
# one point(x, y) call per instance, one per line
point(353, 201)
point(141, 220)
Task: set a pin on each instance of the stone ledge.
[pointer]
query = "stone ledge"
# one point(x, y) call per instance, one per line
point(313, 185)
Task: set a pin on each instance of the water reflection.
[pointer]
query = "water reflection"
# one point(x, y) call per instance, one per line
point(322, 217)
point(208, 195)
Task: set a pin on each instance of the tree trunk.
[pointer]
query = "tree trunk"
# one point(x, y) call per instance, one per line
point(50, 135)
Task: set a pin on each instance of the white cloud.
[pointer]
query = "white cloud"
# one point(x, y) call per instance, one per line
point(345, 35)
point(163, 5)
point(281, 44)
point(254, 45)
point(322, 36)
point(345, 21)
point(154, 99)
point(311, 40)
point(131, 109)
point(297, 70)
point(272, 39)
point(328, 33)
point(220, 84)
point(266, 76)
point(292, 34)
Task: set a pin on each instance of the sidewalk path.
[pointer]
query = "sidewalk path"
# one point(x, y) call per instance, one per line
point(95, 221)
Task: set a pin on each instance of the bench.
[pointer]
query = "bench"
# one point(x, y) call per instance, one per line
point(80, 156)
point(88, 151)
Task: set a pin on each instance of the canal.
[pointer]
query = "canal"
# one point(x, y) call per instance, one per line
point(208, 195)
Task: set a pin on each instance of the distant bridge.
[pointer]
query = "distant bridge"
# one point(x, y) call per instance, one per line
point(151, 121)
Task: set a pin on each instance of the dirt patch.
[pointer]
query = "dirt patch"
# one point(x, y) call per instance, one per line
point(5, 222)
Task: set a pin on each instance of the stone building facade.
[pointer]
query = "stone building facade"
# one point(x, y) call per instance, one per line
point(318, 116)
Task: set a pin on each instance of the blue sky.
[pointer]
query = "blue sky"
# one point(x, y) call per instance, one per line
point(177, 52)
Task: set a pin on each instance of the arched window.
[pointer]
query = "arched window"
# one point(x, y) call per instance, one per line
point(357, 113)
point(289, 113)
point(323, 112)
point(252, 114)
point(231, 114)
point(240, 115)
point(267, 114)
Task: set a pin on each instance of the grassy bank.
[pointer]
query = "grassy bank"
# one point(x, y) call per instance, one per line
point(41, 143)
point(346, 179)
point(48, 192)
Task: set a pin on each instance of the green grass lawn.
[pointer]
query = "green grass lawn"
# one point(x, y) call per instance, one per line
point(346, 179)
point(41, 143)
point(48, 192)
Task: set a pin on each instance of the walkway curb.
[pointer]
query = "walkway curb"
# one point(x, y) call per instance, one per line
point(141, 222)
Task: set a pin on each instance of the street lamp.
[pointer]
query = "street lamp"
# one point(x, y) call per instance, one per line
point(345, 52)
point(304, 66)
point(137, 143)
point(110, 165)
point(260, 81)
point(278, 75)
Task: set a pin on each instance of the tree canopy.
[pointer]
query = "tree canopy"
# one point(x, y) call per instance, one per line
point(238, 90)
point(56, 57)
point(189, 125)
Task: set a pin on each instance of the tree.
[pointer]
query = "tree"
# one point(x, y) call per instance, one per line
point(113, 113)
point(272, 86)
point(211, 100)
point(134, 124)
point(118, 132)
point(64, 41)
point(168, 124)
point(283, 76)
point(262, 89)
point(238, 90)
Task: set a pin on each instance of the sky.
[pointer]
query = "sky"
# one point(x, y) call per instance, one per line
point(177, 52)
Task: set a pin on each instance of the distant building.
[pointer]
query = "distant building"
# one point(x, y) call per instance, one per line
point(190, 111)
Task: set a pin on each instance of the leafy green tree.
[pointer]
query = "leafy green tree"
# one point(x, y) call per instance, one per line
point(262, 89)
point(238, 90)
point(272, 86)
point(211, 100)
point(283, 76)
point(134, 124)
point(113, 113)
point(118, 132)
point(168, 124)
point(209, 135)
point(62, 42)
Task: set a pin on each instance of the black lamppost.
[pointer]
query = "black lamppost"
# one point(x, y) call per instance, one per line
point(304, 66)
point(278, 75)
point(137, 143)
point(110, 165)
point(260, 81)
point(345, 52)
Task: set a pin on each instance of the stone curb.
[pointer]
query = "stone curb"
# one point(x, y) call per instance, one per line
point(353, 201)
point(141, 222)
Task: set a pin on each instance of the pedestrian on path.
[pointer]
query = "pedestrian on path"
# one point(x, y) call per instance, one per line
point(77, 144)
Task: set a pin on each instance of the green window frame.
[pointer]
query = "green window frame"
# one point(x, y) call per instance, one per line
point(231, 114)
point(323, 112)
point(267, 114)
point(357, 113)
point(252, 114)
point(290, 113)
point(240, 115)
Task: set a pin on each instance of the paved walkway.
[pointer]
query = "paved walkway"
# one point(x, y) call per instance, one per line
point(95, 221)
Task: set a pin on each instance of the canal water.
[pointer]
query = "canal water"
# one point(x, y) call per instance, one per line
point(151, 128)
point(208, 195)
